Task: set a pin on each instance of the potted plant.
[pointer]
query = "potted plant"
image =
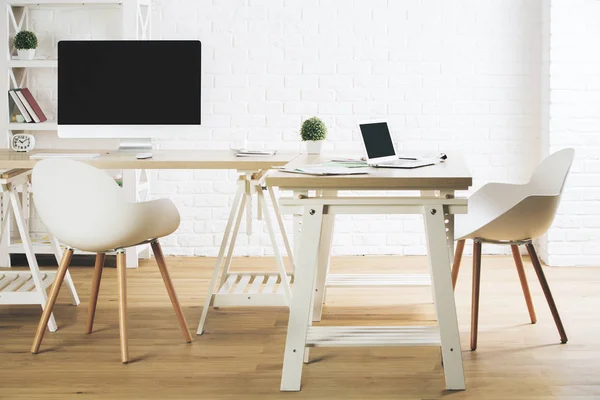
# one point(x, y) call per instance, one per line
point(25, 42)
point(313, 132)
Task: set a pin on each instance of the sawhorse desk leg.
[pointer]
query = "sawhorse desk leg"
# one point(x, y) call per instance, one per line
point(439, 265)
point(249, 288)
point(323, 260)
point(302, 335)
point(300, 309)
point(25, 287)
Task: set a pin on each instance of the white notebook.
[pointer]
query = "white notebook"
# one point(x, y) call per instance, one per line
point(64, 155)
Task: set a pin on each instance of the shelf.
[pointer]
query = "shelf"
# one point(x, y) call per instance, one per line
point(380, 280)
point(24, 126)
point(32, 63)
point(19, 288)
point(372, 336)
point(251, 289)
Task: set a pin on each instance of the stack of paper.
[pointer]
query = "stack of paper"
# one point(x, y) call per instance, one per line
point(325, 169)
point(253, 153)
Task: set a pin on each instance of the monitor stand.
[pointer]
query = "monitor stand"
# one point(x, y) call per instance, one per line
point(135, 145)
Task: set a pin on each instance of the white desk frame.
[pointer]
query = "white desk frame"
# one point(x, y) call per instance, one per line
point(312, 261)
point(250, 289)
point(276, 289)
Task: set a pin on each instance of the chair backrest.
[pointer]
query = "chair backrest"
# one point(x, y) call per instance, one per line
point(550, 176)
point(74, 199)
point(515, 212)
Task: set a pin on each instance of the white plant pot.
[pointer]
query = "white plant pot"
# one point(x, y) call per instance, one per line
point(314, 146)
point(26, 54)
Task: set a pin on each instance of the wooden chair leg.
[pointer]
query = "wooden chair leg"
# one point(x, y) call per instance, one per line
point(122, 279)
point(58, 280)
point(475, 293)
point(544, 283)
point(521, 271)
point(162, 266)
point(460, 246)
point(98, 267)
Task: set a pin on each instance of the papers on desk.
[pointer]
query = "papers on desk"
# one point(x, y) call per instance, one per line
point(349, 161)
point(345, 163)
point(326, 169)
point(253, 153)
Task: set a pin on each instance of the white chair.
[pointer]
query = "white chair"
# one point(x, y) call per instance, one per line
point(85, 209)
point(514, 215)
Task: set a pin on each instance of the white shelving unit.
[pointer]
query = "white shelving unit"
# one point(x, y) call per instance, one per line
point(32, 63)
point(24, 126)
point(135, 25)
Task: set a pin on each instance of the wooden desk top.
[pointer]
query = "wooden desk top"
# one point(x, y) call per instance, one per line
point(162, 159)
point(453, 174)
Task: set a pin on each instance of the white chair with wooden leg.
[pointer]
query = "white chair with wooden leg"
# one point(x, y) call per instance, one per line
point(514, 215)
point(85, 209)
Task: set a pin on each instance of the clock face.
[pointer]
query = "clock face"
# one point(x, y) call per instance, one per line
point(22, 142)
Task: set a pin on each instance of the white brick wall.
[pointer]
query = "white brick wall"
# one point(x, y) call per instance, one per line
point(575, 122)
point(461, 75)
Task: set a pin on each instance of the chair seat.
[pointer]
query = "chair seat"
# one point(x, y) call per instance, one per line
point(138, 223)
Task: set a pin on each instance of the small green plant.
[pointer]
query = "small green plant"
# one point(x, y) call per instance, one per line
point(313, 129)
point(25, 40)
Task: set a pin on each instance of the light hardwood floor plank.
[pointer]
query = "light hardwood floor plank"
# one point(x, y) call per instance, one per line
point(241, 353)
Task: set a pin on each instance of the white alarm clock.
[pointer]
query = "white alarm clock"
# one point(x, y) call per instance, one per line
point(22, 142)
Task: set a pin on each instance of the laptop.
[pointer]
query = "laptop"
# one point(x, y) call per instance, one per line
point(380, 149)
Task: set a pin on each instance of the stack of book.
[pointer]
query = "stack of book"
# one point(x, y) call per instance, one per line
point(26, 105)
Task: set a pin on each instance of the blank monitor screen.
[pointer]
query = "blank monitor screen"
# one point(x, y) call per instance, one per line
point(377, 139)
point(125, 82)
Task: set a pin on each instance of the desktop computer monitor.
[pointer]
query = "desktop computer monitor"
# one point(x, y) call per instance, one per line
point(128, 89)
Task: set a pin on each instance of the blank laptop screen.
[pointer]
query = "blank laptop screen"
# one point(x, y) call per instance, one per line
point(378, 140)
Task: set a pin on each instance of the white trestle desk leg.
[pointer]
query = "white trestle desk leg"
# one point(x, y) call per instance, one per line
point(70, 285)
point(323, 264)
point(248, 207)
point(430, 193)
point(25, 206)
point(449, 218)
point(323, 261)
point(236, 231)
point(5, 227)
point(5, 230)
point(300, 309)
point(439, 263)
point(235, 208)
point(286, 241)
point(28, 247)
point(280, 266)
point(298, 223)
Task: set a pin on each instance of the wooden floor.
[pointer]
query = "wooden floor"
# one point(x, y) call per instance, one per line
point(241, 353)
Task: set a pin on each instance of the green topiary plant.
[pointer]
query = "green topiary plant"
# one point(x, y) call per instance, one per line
point(25, 40)
point(313, 129)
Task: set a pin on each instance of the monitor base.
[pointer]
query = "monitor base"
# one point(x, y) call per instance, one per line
point(135, 144)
